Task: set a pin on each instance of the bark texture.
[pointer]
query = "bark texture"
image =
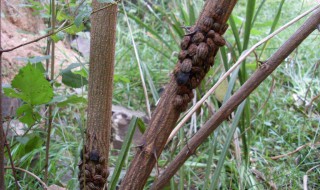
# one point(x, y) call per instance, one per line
point(198, 49)
point(251, 84)
point(94, 165)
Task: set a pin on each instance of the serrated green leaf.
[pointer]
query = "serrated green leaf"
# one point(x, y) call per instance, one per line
point(31, 86)
point(72, 100)
point(11, 93)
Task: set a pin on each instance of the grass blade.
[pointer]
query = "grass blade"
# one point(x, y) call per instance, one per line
point(274, 24)
point(235, 33)
point(123, 153)
point(222, 157)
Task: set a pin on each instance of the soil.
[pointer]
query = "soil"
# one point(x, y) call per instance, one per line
point(20, 25)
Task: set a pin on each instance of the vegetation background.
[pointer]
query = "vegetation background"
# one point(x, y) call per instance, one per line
point(283, 112)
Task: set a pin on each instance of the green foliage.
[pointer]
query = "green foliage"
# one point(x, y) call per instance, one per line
point(123, 153)
point(30, 86)
point(73, 79)
point(278, 122)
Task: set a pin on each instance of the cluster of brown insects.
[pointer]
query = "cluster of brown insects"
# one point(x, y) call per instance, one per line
point(94, 175)
point(198, 49)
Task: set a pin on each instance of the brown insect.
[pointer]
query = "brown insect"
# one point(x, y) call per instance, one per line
point(211, 44)
point(98, 179)
point(193, 83)
point(98, 168)
point(210, 34)
point(185, 42)
point(202, 50)
point(219, 40)
point(216, 27)
point(211, 60)
point(186, 65)
point(197, 61)
point(186, 98)
point(182, 55)
point(224, 28)
point(197, 38)
point(192, 50)
point(178, 101)
point(208, 21)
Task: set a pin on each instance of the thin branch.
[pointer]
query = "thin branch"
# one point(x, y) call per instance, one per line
point(50, 117)
point(2, 141)
point(240, 60)
point(31, 174)
point(10, 158)
point(56, 31)
point(295, 151)
point(245, 90)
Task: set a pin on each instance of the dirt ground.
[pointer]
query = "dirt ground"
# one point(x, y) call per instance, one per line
point(19, 25)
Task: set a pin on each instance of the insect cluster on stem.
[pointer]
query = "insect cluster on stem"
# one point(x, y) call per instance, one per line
point(198, 49)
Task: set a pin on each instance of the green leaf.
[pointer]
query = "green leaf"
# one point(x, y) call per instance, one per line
point(22, 140)
point(83, 72)
point(123, 153)
point(31, 86)
point(71, 79)
point(35, 142)
point(75, 29)
point(141, 125)
point(58, 36)
point(225, 149)
point(72, 100)
point(27, 115)
point(119, 78)
point(40, 67)
point(81, 16)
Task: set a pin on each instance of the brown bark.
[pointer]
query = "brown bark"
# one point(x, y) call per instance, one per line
point(251, 84)
point(179, 91)
point(94, 166)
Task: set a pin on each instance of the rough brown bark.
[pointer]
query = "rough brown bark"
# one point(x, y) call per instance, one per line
point(197, 55)
point(251, 84)
point(94, 166)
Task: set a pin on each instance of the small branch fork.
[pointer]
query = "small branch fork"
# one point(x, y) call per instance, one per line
point(61, 28)
point(251, 84)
